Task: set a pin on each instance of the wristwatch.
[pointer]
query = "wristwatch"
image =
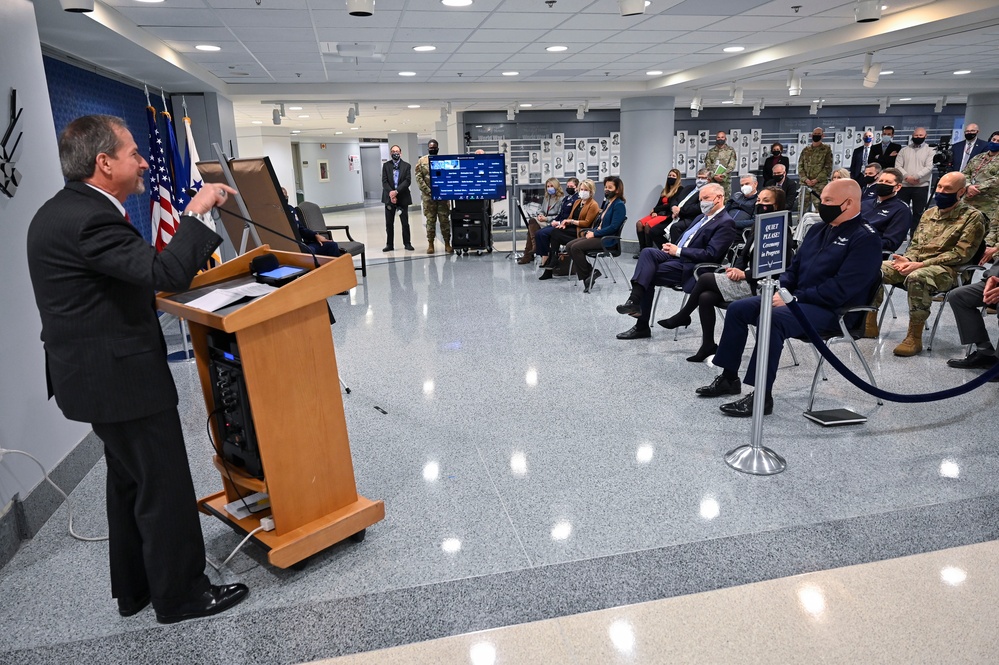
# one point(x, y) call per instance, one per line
point(203, 217)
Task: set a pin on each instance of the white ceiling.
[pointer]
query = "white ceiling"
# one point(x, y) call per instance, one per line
point(271, 51)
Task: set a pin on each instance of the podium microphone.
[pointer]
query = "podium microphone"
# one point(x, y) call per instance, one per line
point(298, 242)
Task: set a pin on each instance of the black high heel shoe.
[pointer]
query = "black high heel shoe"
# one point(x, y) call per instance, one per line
point(675, 321)
point(703, 353)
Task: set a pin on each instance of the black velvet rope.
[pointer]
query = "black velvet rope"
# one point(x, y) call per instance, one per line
point(820, 345)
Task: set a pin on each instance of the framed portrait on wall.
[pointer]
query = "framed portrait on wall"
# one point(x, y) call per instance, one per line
point(324, 170)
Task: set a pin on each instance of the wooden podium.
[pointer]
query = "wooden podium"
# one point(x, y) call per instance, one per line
point(290, 372)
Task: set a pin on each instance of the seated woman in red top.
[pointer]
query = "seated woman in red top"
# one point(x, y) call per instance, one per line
point(672, 194)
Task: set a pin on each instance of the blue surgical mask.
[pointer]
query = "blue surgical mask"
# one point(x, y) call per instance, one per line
point(992, 146)
point(551, 190)
point(945, 200)
point(885, 139)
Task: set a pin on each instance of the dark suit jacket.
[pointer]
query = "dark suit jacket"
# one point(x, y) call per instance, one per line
point(790, 188)
point(94, 279)
point(403, 198)
point(708, 245)
point(958, 152)
point(857, 164)
point(885, 157)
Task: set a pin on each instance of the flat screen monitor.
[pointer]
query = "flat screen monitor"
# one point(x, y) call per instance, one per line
point(467, 177)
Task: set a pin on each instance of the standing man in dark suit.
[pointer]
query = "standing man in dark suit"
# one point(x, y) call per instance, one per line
point(706, 241)
point(889, 149)
point(963, 151)
point(862, 156)
point(397, 175)
point(94, 279)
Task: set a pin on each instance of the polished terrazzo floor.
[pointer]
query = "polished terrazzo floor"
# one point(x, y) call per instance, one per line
point(534, 467)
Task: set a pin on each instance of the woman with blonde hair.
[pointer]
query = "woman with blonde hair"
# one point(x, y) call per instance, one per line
point(551, 203)
point(580, 218)
point(672, 194)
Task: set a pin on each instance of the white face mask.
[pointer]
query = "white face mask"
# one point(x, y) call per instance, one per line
point(583, 194)
point(746, 190)
point(707, 206)
point(700, 182)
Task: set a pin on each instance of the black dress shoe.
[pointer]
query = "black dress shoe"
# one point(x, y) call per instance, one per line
point(630, 307)
point(638, 331)
point(976, 360)
point(213, 601)
point(720, 386)
point(388, 248)
point(675, 321)
point(548, 274)
point(744, 407)
point(703, 353)
point(409, 248)
point(129, 606)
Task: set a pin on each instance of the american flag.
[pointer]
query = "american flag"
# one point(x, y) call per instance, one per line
point(163, 215)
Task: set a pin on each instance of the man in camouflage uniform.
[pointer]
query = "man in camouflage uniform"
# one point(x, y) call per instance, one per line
point(982, 172)
point(721, 155)
point(948, 235)
point(433, 211)
point(815, 166)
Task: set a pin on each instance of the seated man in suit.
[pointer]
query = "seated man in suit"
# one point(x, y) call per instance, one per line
point(313, 240)
point(742, 206)
point(706, 241)
point(789, 186)
point(967, 302)
point(837, 266)
point(683, 214)
point(886, 214)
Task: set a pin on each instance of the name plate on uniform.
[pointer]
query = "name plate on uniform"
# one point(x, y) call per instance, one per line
point(770, 244)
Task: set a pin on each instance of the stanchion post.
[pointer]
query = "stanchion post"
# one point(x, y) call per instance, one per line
point(769, 255)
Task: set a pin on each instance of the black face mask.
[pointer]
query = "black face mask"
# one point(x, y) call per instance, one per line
point(816, 138)
point(970, 136)
point(918, 140)
point(670, 181)
point(570, 190)
point(884, 189)
point(828, 213)
point(432, 151)
point(719, 142)
point(608, 194)
point(779, 176)
point(762, 208)
point(867, 179)
point(775, 153)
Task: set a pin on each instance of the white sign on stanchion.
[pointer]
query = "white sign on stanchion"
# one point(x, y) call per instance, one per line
point(769, 258)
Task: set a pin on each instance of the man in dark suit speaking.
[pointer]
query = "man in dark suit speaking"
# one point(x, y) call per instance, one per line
point(397, 176)
point(94, 279)
point(705, 241)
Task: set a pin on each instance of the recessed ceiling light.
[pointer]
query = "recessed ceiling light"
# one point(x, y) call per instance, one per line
point(208, 47)
point(734, 49)
point(393, 130)
point(354, 129)
point(884, 7)
point(511, 73)
point(257, 122)
point(337, 133)
point(413, 106)
point(304, 116)
point(407, 73)
point(151, 1)
point(456, 3)
point(962, 72)
point(526, 106)
point(885, 72)
point(905, 99)
point(294, 108)
point(557, 49)
point(654, 72)
point(728, 101)
point(296, 131)
point(427, 47)
point(648, 2)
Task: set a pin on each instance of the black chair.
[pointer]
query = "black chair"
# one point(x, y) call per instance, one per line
point(601, 257)
point(312, 217)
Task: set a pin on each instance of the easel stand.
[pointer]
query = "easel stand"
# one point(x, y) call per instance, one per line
point(290, 372)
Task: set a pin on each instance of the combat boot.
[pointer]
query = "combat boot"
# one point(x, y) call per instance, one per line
point(447, 246)
point(430, 243)
point(430, 249)
point(871, 330)
point(913, 342)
